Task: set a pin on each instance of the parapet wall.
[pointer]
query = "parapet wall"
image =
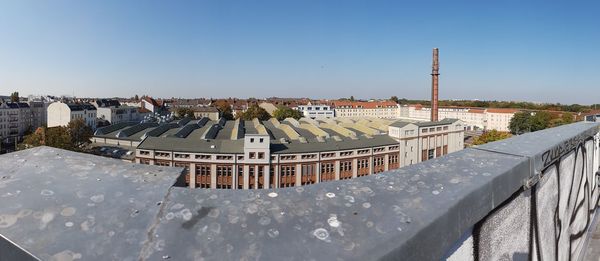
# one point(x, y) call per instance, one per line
point(529, 197)
point(548, 219)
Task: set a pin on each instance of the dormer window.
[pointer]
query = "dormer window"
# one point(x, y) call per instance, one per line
point(251, 140)
point(261, 140)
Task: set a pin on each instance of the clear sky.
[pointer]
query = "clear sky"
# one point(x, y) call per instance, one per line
point(543, 51)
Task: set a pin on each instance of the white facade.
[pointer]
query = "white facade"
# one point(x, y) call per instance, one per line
point(473, 118)
point(316, 111)
point(60, 114)
point(116, 115)
point(384, 110)
point(423, 141)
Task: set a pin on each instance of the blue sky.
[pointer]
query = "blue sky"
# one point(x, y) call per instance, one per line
point(543, 51)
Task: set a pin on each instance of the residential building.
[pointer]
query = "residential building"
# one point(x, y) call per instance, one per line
point(377, 109)
point(473, 118)
point(316, 111)
point(209, 112)
point(151, 104)
point(15, 119)
point(113, 112)
point(60, 114)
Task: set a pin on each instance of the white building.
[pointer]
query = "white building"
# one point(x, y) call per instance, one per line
point(60, 114)
point(382, 109)
point(473, 118)
point(113, 112)
point(421, 141)
point(316, 111)
point(15, 119)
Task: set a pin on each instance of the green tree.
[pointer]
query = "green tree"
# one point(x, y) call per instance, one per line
point(182, 112)
point(491, 136)
point(14, 97)
point(567, 118)
point(539, 121)
point(519, 123)
point(136, 97)
point(394, 99)
point(35, 139)
point(285, 112)
point(79, 132)
point(255, 111)
point(59, 137)
point(352, 98)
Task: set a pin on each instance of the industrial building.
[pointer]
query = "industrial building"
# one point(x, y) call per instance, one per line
point(272, 154)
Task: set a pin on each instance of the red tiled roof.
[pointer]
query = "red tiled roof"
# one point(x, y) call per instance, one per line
point(151, 101)
point(502, 110)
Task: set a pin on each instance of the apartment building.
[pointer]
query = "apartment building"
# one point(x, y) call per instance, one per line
point(377, 109)
point(60, 113)
point(473, 118)
point(113, 112)
point(316, 111)
point(15, 119)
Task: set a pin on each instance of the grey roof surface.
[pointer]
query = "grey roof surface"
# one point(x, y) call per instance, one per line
point(249, 126)
point(275, 132)
point(58, 204)
point(225, 133)
point(192, 145)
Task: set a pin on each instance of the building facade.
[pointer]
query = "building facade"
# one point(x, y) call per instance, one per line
point(272, 154)
point(378, 109)
point(473, 118)
point(60, 114)
point(209, 112)
point(15, 120)
point(316, 111)
point(113, 112)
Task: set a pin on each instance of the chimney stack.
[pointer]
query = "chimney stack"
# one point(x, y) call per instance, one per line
point(435, 72)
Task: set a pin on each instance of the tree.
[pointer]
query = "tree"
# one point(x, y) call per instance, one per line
point(14, 97)
point(394, 99)
point(539, 121)
point(491, 136)
point(567, 118)
point(136, 97)
point(285, 112)
point(255, 111)
point(79, 132)
point(37, 138)
point(224, 109)
point(519, 123)
point(182, 112)
point(352, 98)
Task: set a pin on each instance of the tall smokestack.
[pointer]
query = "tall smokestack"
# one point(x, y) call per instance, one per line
point(435, 73)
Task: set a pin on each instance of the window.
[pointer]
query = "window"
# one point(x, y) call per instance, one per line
point(438, 129)
point(345, 169)
point(224, 177)
point(308, 174)
point(251, 155)
point(287, 176)
point(445, 127)
point(203, 157)
point(327, 171)
point(261, 155)
point(251, 140)
point(424, 131)
point(224, 157)
point(261, 140)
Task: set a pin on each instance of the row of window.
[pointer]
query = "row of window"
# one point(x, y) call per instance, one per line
point(425, 130)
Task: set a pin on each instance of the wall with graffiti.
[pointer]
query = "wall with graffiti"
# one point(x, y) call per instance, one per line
point(548, 221)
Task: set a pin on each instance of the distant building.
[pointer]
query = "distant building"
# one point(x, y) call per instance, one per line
point(60, 114)
point(113, 112)
point(316, 111)
point(39, 113)
point(15, 119)
point(150, 104)
point(377, 109)
point(473, 118)
point(208, 112)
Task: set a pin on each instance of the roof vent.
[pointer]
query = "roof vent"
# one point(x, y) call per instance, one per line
point(212, 146)
point(336, 138)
